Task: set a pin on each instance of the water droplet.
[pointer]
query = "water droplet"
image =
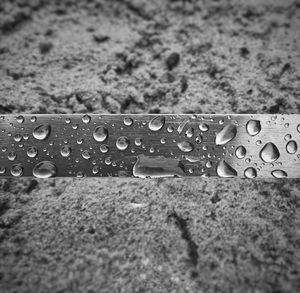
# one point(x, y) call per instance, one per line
point(291, 147)
point(2, 170)
point(20, 119)
point(227, 134)
point(185, 146)
point(100, 134)
point(199, 138)
point(32, 152)
point(75, 126)
point(65, 151)
point(258, 142)
point(86, 155)
point(80, 140)
point(287, 137)
point(269, 153)
point(151, 150)
point(86, 119)
point(17, 137)
point(225, 170)
point(208, 164)
point(122, 143)
point(95, 170)
point(128, 121)
point(182, 125)
point(279, 174)
point(163, 140)
point(108, 160)
point(33, 119)
point(189, 133)
point(12, 156)
point(42, 132)
point(104, 148)
point(44, 169)
point(240, 152)
point(250, 172)
point(203, 127)
point(68, 120)
point(170, 129)
point(138, 141)
point(16, 170)
point(80, 174)
point(298, 128)
point(157, 123)
point(253, 127)
point(286, 125)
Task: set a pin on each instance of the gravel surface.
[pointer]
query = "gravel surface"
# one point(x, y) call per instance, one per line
point(160, 235)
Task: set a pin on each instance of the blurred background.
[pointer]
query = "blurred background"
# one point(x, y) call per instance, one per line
point(159, 235)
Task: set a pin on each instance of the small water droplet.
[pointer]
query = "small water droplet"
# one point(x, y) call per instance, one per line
point(286, 125)
point(291, 147)
point(12, 156)
point(17, 137)
point(104, 148)
point(225, 170)
point(42, 132)
point(2, 170)
point(32, 152)
point(199, 138)
point(108, 160)
point(250, 172)
point(16, 170)
point(86, 119)
point(227, 134)
point(203, 127)
point(287, 137)
point(253, 127)
point(269, 153)
point(185, 146)
point(208, 164)
point(240, 152)
point(258, 142)
point(189, 133)
point(65, 151)
point(33, 119)
point(157, 123)
point(80, 140)
point(20, 119)
point(95, 170)
point(122, 143)
point(68, 120)
point(86, 155)
point(163, 140)
point(80, 174)
point(75, 126)
point(298, 128)
point(279, 174)
point(44, 169)
point(170, 129)
point(138, 141)
point(100, 134)
point(128, 121)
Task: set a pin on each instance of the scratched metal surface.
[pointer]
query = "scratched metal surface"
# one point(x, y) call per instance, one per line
point(251, 146)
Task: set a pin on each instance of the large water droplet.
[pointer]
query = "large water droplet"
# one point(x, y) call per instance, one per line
point(279, 174)
point(253, 127)
point(157, 123)
point(122, 143)
point(227, 134)
point(42, 132)
point(240, 152)
point(44, 169)
point(32, 152)
point(291, 147)
point(156, 167)
point(16, 170)
point(250, 172)
point(100, 134)
point(65, 151)
point(269, 153)
point(185, 146)
point(225, 170)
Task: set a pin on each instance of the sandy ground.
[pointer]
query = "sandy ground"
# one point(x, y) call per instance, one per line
point(138, 56)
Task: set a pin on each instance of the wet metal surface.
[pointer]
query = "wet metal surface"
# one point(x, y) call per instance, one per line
point(247, 146)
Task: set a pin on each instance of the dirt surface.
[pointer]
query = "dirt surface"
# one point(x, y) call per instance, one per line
point(141, 56)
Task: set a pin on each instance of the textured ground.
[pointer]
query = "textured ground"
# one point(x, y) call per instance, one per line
point(141, 56)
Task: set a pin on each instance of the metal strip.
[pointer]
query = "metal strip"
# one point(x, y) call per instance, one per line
point(251, 146)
